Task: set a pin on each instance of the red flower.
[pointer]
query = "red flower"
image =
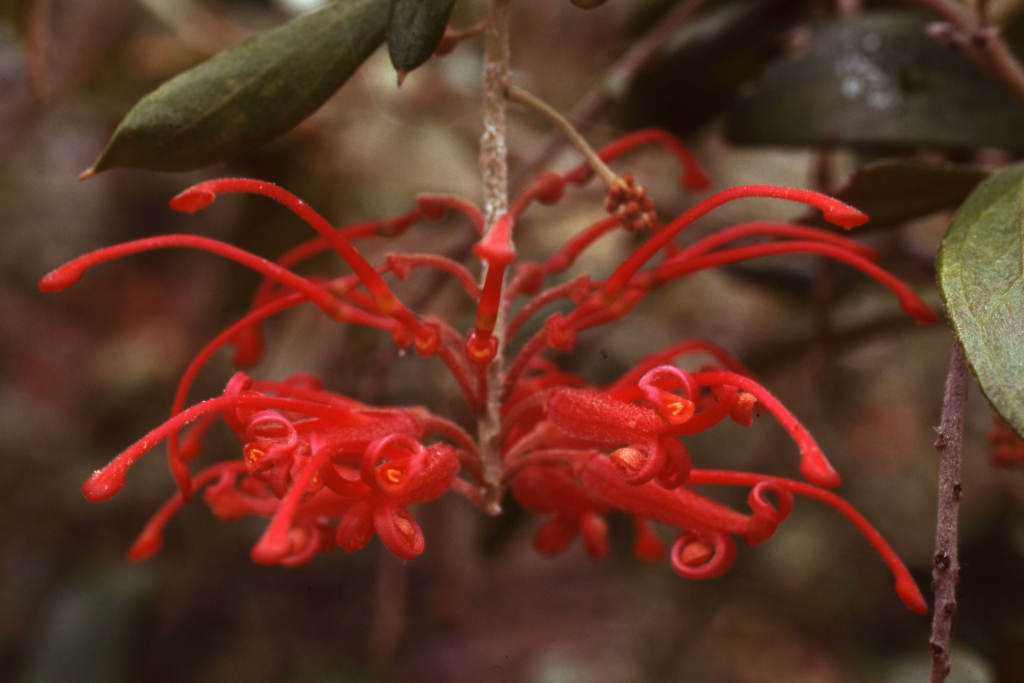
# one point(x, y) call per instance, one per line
point(329, 470)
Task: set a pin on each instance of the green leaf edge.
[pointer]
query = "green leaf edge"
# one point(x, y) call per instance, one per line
point(101, 163)
point(981, 200)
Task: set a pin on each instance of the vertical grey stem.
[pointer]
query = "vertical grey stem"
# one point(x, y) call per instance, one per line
point(494, 167)
point(946, 573)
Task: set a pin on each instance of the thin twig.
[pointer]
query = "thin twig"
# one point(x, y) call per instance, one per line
point(452, 38)
point(615, 83)
point(574, 137)
point(983, 41)
point(946, 573)
point(494, 168)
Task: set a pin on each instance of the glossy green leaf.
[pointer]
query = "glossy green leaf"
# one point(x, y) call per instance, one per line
point(877, 80)
point(415, 31)
point(981, 278)
point(894, 192)
point(250, 93)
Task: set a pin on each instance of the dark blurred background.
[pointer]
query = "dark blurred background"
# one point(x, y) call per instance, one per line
point(85, 372)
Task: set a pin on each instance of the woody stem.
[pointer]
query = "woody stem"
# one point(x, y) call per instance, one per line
point(524, 98)
point(494, 168)
point(946, 572)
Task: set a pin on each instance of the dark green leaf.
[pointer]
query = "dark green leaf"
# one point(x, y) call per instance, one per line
point(878, 80)
point(981, 278)
point(415, 31)
point(894, 192)
point(250, 93)
point(714, 54)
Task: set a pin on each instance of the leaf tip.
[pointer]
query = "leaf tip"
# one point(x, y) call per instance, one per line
point(402, 73)
point(87, 173)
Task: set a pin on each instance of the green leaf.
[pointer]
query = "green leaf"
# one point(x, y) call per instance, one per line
point(981, 278)
point(894, 192)
point(248, 94)
point(878, 80)
point(415, 31)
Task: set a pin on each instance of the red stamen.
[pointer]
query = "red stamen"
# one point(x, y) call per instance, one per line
point(693, 177)
point(307, 250)
point(906, 588)
point(774, 229)
point(563, 259)
point(106, 482)
point(911, 304)
point(669, 355)
point(402, 264)
point(202, 195)
point(71, 272)
point(276, 542)
point(435, 206)
point(681, 507)
point(835, 212)
point(813, 463)
point(576, 290)
point(150, 539)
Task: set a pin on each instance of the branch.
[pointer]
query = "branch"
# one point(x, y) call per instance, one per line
point(494, 166)
point(980, 39)
point(947, 566)
point(615, 83)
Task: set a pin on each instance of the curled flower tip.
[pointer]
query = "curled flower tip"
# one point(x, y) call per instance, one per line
point(103, 484)
point(817, 469)
point(910, 594)
point(654, 386)
point(767, 517)
point(61, 278)
point(639, 466)
point(193, 199)
point(676, 469)
point(695, 556)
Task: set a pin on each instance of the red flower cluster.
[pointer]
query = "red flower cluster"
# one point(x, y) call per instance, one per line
point(329, 470)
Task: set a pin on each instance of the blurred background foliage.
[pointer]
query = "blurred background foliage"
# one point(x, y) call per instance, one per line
point(853, 100)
